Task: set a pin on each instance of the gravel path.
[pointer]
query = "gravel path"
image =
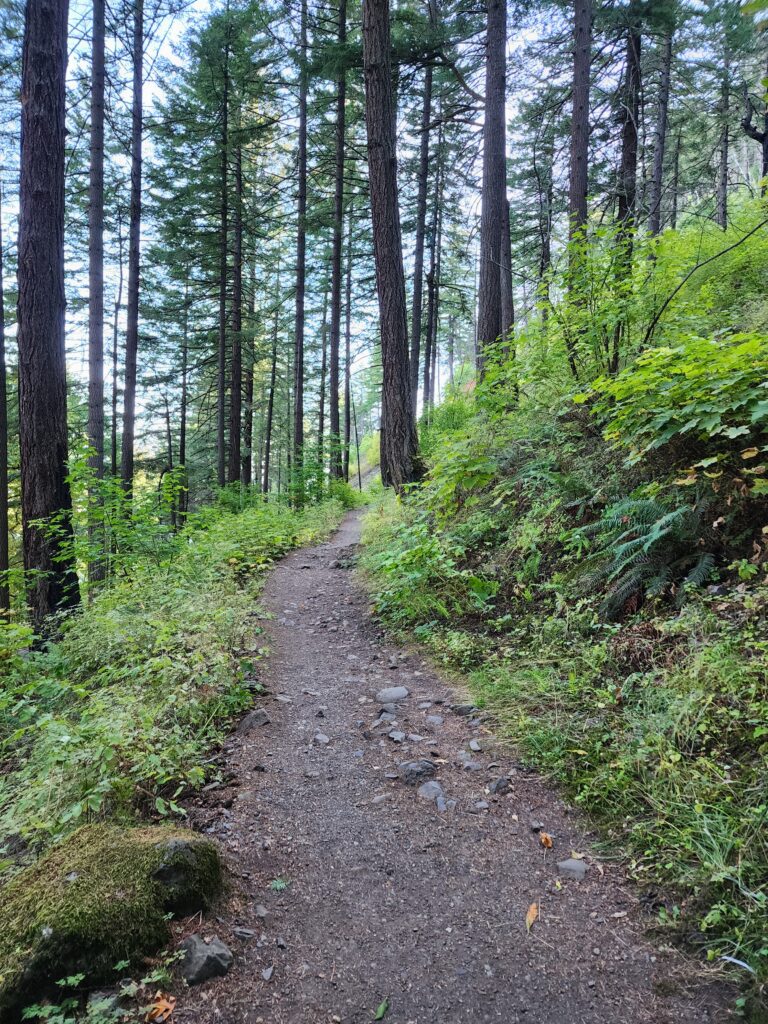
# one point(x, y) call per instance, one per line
point(353, 888)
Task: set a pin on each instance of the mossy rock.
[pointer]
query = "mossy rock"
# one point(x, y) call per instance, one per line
point(99, 897)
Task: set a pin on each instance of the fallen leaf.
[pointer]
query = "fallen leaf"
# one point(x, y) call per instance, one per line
point(531, 916)
point(161, 1009)
point(546, 840)
point(381, 1009)
point(619, 913)
point(750, 453)
point(577, 856)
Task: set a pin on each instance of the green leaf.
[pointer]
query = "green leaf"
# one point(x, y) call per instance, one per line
point(381, 1009)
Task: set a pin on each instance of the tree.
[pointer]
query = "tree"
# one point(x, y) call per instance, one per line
point(494, 179)
point(399, 444)
point(421, 220)
point(660, 139)
point(301, 265)
point(45, 493)
point(5, 590)
point(578, 178)
point(335, 466)
point(134, 252)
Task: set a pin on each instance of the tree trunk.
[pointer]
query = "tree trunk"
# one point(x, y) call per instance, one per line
point(507, 291)
point(134, 254)
point(421, 220)
point(758, 136)
point(675, 181)
point(45, 495)
point(271, 398)
point(399, 444)
point(301, 257)
point(627, 182)
point(721, 212)
point(221, 353)
point(5, 589)
point(96, 249)
point(494, 180)
point(323, 380)
point(115, 338)
point(348, 345)
point(578, 180)
point(660, 141)
point(336, 460)
point(184, 493)
point(434, 250)
point(236, 382)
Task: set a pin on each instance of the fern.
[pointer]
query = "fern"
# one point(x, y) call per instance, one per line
point(643, 548)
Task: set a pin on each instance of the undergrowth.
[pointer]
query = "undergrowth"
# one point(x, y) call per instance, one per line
point(117, 719)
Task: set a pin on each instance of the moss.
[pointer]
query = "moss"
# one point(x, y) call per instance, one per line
point(101, 896)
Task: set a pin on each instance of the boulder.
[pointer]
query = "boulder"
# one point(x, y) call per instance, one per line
point(415, 772)
point(392, 694)
point(99, 897)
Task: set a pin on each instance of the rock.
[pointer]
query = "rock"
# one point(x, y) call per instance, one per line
point(203, 960)
point(252, 721)
point(425, 705)
point(482, 805)
point(441, 804)
point(475, 745)
point(414, 737)
point(392, 694)
point(414, 772)
point(396, 737)
point(185, 863)
point(430, 790)
point(536, 825)
point(500, 786)
point(281, 943)
point(244, 933)
point(381, 799)
point(572, 868)
point(472, 766)
point(435, 719)
point(268, 972)
point(283, 699)
point(320, 739)
point(388, 709)
point(261, 911)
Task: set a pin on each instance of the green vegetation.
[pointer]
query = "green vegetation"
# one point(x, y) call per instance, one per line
point(594, 560)
point(117, 719)
point(98, 899)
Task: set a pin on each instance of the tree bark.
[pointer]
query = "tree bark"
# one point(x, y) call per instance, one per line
point(494, 180)
point(758, 136)
point(336, 460)
point(301, 257)
point(721, 203)
point(399, 444)
point(507, 291)
point(134, 255)
point(236, 369)
point(184, 493)
point(323, 383)
point(578, 179)
point(660, 141)
point(418, 256)
point(221, 353)
point(675, 181)
point(271, 397)
point(96, 249)
point(45, 495)
point(115, 337)
point(5, 589)
point(348, 346)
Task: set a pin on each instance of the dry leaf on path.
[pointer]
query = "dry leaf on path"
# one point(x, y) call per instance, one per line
point(161, 1009)
point(546, 840)
point(531, 916)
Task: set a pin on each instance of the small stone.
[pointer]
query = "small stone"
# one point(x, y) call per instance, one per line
point(283, 699)
point(309, 773)
point(381, 799)
point(203, 960)
point(425, 704)
point(472, 766)
point(268, 972)
point(320, 713)
point(435, 719)
point(475, 745)
point(321, 739)
point(441, 804)
point(358, 753)
point(243, 933)
point(281, 943)
point(430, 790)
point(413, 772)
point(536, 826)
point(414, 737)
point(500, 786)
point(252, 721)
point(392, 694)
point(261, 911)
point(388, 709)
point(396, 736)
point(482, 805)
point(572, 868)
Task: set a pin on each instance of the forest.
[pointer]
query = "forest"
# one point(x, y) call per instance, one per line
point(446, 324)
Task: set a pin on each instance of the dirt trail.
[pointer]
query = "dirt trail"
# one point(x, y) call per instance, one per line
point(387, 896)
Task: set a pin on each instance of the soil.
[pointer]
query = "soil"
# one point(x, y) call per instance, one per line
point(373, 894)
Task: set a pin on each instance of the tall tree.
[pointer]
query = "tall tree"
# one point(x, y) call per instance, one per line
point(236, 370)
point(46, 501)
point(336, 466)
point(5, 592)
point(421, 221)
point(134, 251)
point(301, 266)
point(399, 444)
point(96, 248)
point(221, 351)
point(578, 179)
point(660, 136)
point(494, 179)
